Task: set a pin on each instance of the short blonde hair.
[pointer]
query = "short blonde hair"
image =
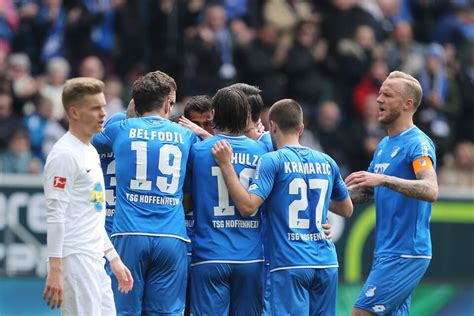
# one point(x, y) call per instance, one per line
point(77, 88)
point(412, 87)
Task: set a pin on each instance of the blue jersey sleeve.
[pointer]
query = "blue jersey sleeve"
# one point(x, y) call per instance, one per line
point(267, 169)
point(423, 148)
point(104, 140)
point(339, 191)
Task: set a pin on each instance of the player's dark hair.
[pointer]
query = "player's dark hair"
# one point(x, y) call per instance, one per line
point(254, 98)
point(151, 90)
point(287, 114)
point(231, 110)
point(199, 104)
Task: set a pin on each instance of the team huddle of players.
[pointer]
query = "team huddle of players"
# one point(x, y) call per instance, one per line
point(257, 201)
point(157, 163)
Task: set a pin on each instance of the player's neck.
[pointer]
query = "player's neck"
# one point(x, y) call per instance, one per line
point(80, 134)
point(160, 113)
point(399, 126)
point(287, 140)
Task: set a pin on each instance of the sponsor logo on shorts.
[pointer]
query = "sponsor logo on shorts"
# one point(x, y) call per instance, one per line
point(378, 308)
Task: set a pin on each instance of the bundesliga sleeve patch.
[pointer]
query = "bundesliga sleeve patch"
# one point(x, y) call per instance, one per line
point(59, 182)
point(422, 163)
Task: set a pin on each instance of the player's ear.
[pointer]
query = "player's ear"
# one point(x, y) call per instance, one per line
point(73, 112)
point(301, 129)
point(273, 127)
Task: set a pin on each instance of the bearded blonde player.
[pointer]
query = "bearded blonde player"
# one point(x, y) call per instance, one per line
point(74, 190)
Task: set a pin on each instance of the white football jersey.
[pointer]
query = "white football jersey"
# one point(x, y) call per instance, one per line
point(73, 176)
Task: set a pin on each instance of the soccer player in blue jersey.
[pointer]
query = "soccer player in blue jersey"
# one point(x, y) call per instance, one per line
point(151, 153)
point(298, 185)
point(107, 163)
point(402, 180)
point(227, 261)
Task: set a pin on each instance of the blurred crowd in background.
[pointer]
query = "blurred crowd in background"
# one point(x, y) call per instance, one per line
point(329, 55)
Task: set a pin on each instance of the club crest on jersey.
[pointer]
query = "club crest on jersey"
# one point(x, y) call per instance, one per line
point(395, 151)
point(97, 197)
point(59, 183)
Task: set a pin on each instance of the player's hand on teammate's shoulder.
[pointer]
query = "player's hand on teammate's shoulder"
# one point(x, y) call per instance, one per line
point(222, 152)
point(196, 129)
point(54, 288)
point(123, 275)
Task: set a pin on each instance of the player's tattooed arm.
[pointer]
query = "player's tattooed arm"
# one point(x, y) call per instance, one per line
point(361, 194)
point(425, 187)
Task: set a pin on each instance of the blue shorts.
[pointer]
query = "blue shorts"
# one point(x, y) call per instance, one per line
point(305, 291)
point(159, 269)
point(390, 284)
point(227, 289)
point(266, 292)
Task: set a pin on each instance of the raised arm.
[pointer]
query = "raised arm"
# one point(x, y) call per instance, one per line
point(425, 187)
point(246, 202)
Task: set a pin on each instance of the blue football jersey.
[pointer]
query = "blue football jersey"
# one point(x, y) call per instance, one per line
point(297, 184)
point(220, 233)
point(402, 223)
point(107, 163)
point(151, 154)
point(266, 141)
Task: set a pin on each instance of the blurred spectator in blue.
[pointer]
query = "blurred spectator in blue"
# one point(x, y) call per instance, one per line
point(51, 23)
point(440, 102)
point(305, 68)
point(402, 52)
point(213, 48)
point(236, 9)
point(370, 84)
point(18, 158)
point(90, 29)
point(51, 85)
point(43, 129)
point(458, 27)
point(261, 64)
point(9, 21)
point(113, 96)
point(388, 12)
point(8, 120)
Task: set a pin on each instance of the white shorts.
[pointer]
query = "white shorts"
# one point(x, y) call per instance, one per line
point(87, 287)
